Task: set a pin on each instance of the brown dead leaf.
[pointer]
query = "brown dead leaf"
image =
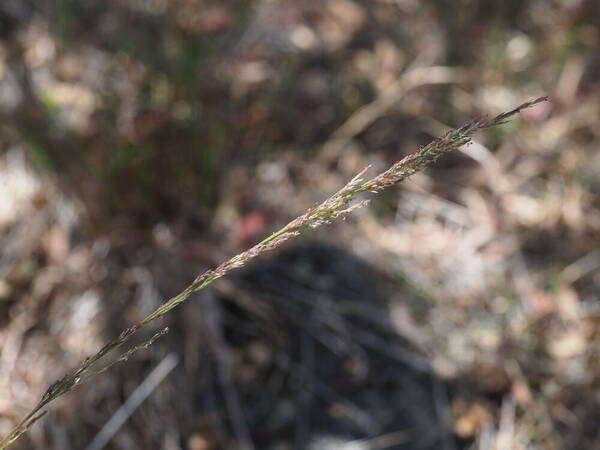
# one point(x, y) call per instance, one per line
point(491, 378)
point(201, 441)
point(469, 418)
point(521, 392)
point(572, 342)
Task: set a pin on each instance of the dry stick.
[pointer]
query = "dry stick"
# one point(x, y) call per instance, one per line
point(390, 96)
point(141, 393)
point(335, 207)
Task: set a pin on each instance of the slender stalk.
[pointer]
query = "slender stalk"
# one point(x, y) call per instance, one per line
point(335, 207)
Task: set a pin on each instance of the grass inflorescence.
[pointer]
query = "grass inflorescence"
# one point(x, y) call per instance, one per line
point(337, 206)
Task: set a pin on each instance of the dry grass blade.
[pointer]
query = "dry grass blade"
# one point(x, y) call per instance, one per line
point(335, 207)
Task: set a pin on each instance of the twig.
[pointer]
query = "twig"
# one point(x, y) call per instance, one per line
point(307, 351)
point(442, 407)
point(366, 115)
point(137, 397)
point(505, 436)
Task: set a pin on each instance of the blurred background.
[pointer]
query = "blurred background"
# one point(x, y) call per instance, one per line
point(145, 141)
